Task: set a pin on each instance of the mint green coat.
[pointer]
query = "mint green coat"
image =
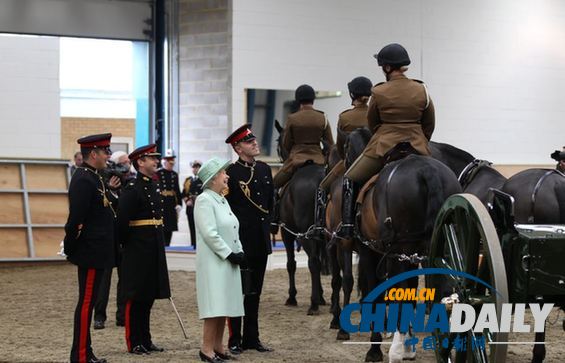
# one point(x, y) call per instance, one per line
point(218, 281)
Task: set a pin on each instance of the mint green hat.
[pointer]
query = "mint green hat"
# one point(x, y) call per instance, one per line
point(211, 168)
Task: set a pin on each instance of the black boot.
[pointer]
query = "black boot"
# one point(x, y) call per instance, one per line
point(320, 209)
point(347, 209)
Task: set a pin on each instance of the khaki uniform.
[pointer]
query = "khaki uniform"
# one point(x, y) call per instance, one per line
point(399, 110)
point(349, 121)
point(303, 132)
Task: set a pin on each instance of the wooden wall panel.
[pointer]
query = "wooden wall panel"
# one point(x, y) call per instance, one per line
point(39, 176)
point(13, 242)
point(10, 176)
point(12, 211)
point(49, 208)
point(47, 241)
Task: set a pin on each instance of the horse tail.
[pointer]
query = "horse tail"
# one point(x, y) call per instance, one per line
point(430, 177)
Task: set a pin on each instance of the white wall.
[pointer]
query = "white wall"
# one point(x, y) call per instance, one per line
point(29, 97)
point(495, 69)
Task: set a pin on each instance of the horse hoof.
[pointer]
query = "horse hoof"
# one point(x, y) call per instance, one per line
point(374, 356)
point(342, 335)
point(313, 311)
point(334, 325)
point(291, 302)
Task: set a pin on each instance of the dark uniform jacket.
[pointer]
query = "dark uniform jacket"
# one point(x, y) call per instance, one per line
point(169, 183)
point(192, 188)
point(350, 120)
point(400, 110)
point(89, 231)
point(303, 132)
point(144, 266)
point(251, 199)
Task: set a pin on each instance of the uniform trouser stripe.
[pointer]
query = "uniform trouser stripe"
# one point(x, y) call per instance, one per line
point(84, 315)
point(128, 324)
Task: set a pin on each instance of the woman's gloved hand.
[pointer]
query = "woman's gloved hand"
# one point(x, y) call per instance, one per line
point(236, 258)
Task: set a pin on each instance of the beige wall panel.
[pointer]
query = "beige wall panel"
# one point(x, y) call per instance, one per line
point(12, 211)
point(10, 176)
point(509, 170)
point(49, 208)
point(46, 176)
point(13, 243)
point(47, 241)
point(73, 128)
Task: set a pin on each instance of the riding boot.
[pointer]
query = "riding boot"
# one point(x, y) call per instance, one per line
point(348, 209)
point(320, 209)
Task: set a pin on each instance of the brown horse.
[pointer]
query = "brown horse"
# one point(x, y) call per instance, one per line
point(340, 251)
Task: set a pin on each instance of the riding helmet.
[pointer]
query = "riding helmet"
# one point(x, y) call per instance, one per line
point(360, 86)
point(394, 55)
point(305, 93)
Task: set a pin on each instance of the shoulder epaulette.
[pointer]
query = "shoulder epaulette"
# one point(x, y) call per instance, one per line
point(378, 84)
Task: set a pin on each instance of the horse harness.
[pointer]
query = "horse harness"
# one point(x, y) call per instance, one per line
point(531, 217)
point(384, 246)
point(470, 171)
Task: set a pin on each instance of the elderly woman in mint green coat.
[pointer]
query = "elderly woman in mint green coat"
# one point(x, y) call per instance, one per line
point(219, 254)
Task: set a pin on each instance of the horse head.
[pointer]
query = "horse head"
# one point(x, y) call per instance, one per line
point(282, 153)
point(355, 144)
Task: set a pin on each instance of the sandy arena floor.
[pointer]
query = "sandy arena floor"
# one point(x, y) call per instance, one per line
point(37, 305)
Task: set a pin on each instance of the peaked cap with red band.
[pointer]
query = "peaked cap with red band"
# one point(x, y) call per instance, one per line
point(241, 134)
point(95, 141)
point(147, 150)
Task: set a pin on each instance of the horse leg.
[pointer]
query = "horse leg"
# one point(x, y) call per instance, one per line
point(347, 283)
point(290, 267)
point(320, 245)
point(368, 261)
point(336, 286)
point(314, 267)
point(539, 349)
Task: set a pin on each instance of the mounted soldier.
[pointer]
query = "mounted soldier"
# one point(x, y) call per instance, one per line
point(559, 156)
point(303, 132)
point(349, 120)
point(400, 110)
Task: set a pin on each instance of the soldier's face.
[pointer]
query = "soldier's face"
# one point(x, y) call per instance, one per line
point(562, 164)
point(248, 148)
point(99, 158)
point(169, 164)
point(148, 165)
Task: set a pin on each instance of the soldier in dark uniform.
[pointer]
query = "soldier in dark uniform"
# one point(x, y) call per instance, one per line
point(349, 120)
point(303, 132)
point(251, 199)
point(89, 237)
point(169, 183)
point(559, 156)
point(191, 189)
point(144, 267)
point(400, 110)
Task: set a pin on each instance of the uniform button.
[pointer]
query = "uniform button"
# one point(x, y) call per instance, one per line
point(262, 218)
point(234, 227)
point(153, 211)
point(258, 193)
point(151, 203)
point(148, 196)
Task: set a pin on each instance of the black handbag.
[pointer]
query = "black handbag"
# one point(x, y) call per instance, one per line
point(248, 282)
